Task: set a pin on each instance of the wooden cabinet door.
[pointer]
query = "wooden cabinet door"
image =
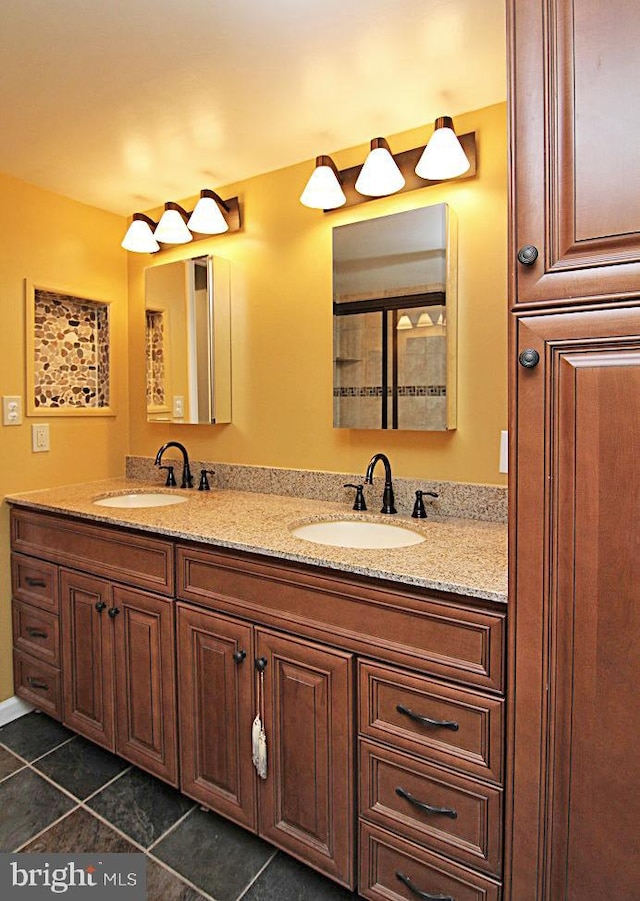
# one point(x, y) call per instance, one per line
point(574, 88)
point(215, 678)
point(87, 655)
point(575, 610)
point(145, 681)
point(307, 800)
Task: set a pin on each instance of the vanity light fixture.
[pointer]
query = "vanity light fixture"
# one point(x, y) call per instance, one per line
point(430, 318)
point(323, 191)
point(443, 157)
point(379, 175)
point(139, 237)
point(404, 322)
point(207, 218)
point(172, 228)
point(329, 188)
point(211, 216)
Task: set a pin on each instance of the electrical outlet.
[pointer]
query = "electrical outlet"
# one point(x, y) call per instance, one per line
point(11, 410)
point(178, 406)
point(40, 437)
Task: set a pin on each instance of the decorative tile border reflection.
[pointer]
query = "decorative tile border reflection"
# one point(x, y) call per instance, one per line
point(403, 391)
point(68, 360)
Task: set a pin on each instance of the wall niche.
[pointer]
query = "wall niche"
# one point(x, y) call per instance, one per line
point(68, 358)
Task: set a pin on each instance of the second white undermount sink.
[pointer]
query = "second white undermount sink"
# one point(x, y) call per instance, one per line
point(141, 499)
point(358, 533)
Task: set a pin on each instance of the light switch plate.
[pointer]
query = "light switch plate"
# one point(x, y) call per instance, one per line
point(40, 437)
point(11, 410)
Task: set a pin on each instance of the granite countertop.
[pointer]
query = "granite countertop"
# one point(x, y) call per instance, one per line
point(462, 556)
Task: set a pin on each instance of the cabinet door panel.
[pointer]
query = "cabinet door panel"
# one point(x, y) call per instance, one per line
point(574, 79)
point(87, 654)
point(577, 641)
point(306, 802)
point(216, 712)
point(145, 682)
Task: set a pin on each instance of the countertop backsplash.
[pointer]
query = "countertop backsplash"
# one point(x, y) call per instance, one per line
point(459, 499)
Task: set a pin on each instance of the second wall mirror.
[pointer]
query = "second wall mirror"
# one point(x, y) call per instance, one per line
point(188, 341)
point(394, 321)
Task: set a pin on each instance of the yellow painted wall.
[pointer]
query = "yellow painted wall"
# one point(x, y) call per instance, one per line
point(282, 325)
point(282, 333)
point(60, 244)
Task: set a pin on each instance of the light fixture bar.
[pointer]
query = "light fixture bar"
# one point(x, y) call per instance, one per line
point(407, 161)
point(140, 234)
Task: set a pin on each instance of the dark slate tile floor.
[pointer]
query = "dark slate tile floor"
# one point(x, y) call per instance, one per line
point(60, 793)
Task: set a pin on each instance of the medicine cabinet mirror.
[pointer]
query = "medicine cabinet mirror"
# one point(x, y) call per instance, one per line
point(188, 341)
point(394, 321)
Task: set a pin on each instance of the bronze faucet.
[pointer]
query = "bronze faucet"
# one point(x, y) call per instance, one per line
point(388, 502)
point(187, 478)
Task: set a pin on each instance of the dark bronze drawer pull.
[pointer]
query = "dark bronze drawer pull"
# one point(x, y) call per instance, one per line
point(440, 724)
point(35, 583)
point(426, 896)
point(36, 633)
point(426, 808)
point(35, 683)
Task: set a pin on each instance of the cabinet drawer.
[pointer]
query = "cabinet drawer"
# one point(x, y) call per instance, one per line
point(390, 865)
point(449, 725)
point(35, 582)
point(38, 683)
point(36, 632)
point(449, 636)
point(112, 552)
point(399, 793)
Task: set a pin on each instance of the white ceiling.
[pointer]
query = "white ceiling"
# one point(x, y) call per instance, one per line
point(123, 104)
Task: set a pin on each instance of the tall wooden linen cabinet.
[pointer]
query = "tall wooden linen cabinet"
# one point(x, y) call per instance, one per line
point(573, 804)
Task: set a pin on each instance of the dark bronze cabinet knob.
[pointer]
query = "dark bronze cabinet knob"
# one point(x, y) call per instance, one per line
point(529, 358)
point(100, 605)
point(527, 255)
point(239, 656)
point(113, 612)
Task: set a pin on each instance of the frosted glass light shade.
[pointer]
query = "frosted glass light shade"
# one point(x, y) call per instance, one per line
point(443, 157)
point(323, 191)
point(207, 217)
point(404, 322)
point(172, 228)
point(430, 318)
point(139, 237)
point(380, 174)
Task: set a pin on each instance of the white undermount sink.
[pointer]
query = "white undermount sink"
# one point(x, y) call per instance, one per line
point(141, 499)
point(358, 533)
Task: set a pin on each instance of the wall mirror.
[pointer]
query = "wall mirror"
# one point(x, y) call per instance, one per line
point(394, 321)
point(188, 341)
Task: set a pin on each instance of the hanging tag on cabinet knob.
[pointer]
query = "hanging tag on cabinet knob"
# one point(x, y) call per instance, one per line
point(527, 255)
point(529, 358)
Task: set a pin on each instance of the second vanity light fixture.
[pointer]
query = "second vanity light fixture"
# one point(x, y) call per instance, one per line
point(211, 216)
point(445, 156)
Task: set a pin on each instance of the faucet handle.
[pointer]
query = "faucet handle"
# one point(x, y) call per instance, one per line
point(171, 479)
point(359, 501)
point(419, 511)
point(204, 481)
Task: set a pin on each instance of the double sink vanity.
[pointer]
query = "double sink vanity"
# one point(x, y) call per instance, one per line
point(158, 621)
